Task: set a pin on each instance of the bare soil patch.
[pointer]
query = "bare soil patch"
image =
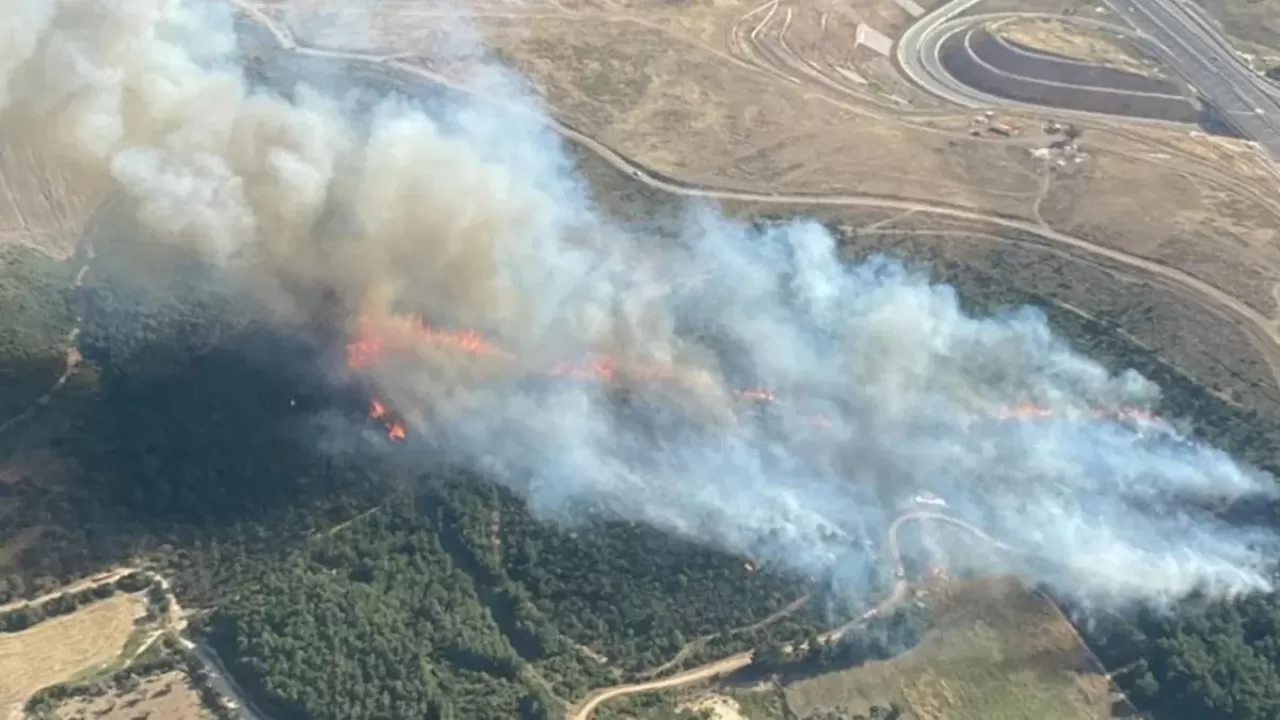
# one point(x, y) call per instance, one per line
point(717, 124)
point(56, 650)
point(714, 706)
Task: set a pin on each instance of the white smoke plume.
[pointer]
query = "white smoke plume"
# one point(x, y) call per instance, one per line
point(474, 217)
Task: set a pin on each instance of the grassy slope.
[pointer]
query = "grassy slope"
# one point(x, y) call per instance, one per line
point(998, 652)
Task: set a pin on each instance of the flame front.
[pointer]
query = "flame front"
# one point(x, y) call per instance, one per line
point(403, 332)
point(396, 431)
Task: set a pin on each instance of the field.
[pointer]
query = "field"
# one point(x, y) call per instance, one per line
point(163, 697)
point(42, 206)
point(1255, 24)
point(59, 649)
point(997, 651)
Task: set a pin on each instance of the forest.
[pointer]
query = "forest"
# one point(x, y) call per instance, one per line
point(191, 442)
point(35, 294)
point(881, 637)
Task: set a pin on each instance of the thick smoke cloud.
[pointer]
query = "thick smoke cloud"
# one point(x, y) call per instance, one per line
point(474, 218)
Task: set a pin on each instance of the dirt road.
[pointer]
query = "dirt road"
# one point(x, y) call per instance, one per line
point(733, 663)
point(724, 666)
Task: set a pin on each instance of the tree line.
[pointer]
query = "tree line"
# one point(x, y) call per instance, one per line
point(27, 615)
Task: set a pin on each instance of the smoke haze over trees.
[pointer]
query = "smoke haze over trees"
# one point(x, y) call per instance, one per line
point(474, 218)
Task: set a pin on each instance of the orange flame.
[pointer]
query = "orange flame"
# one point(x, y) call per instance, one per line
point(759, 394)
point(396, 431)
point(365, 351)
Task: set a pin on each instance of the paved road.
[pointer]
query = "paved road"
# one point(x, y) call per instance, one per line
point(918, 54)
point(1202, 56)
point(1178, 33)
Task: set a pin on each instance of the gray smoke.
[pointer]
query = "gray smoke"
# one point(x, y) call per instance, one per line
point(475, 218)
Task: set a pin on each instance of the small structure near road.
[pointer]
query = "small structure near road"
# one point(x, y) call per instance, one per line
point(988, 123)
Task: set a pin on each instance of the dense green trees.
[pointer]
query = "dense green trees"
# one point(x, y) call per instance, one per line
point(1199, 660)
point(412, 601)
point(35, 296)
point(879, 638)
point(375, 622)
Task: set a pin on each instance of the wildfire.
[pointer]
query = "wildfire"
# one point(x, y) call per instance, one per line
point(759, 394)
point(1031, 411)
point(402, 332)
point(396, 431)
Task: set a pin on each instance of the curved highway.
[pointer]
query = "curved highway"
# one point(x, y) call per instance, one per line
point(920, 51)
point(1173, 29)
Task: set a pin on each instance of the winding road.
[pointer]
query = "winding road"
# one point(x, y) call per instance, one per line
point(1261, 329)
point(731, 664)
point(918, 54)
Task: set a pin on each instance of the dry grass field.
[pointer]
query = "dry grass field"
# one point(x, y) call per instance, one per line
point(58, 649)
point(41, 205)
point(999, 652)
point(163, 697)
point(1256, 23)
point(1202, 227)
